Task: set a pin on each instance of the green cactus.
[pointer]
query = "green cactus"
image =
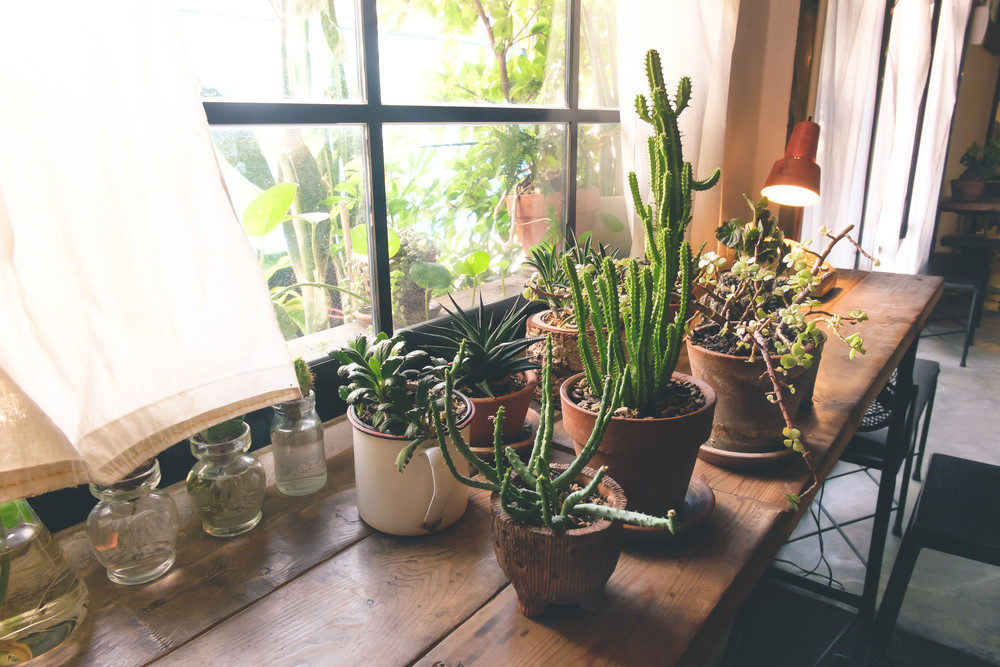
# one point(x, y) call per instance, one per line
point(528, 492)
point(303, 375)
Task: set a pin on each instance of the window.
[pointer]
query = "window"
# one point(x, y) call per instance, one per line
point(431, 142)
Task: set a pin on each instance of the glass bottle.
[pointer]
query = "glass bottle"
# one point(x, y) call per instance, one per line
point(227, 485)
point(297, 446)
point(42, 601)
point(133, 528)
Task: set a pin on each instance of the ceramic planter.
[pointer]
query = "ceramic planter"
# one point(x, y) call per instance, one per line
point(424, 498)
point(515, 410)
point(545, 567)
point(967, 190)
point(653, 459)
point(529, 213)
point(745, 421)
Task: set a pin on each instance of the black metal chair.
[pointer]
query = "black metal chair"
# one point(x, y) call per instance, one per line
point(956, 513)
point(966, 272)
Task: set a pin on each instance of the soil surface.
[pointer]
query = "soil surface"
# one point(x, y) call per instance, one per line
point(508, 385)
point(683, 397)
point(366, 413)
point(593, 499)
point(553, 320)
point(709, 338)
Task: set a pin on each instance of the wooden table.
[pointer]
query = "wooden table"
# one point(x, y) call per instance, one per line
point(314, 585)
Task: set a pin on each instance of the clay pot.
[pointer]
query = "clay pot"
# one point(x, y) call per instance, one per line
point(546, 567)
point(967, 190)
point(565, 348)
point(529, 213)
point(745, 421)
point(652, 458)
point(515, 410)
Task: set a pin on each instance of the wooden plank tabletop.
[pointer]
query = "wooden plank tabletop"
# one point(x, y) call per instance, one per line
point(313, 585)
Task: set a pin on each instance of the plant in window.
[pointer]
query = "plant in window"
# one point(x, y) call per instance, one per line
point(638, 328)
point(391, 401)
point(758, 349)
point(556, 529)
point(981, 164)
point(493, 370)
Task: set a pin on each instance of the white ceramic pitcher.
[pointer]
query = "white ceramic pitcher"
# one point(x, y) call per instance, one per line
point(422, 499)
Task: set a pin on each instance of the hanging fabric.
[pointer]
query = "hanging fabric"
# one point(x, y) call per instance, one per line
point(694, 39)
point(134, 312)
point(845, 107)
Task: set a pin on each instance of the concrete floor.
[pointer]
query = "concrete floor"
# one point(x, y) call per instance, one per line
point(950, 601)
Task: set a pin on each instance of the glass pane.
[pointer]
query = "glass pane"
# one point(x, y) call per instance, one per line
point(271, 50)
point(600, 194)
point(514, 52)
point(466, 202)
point(599, 54)
point(311, 240)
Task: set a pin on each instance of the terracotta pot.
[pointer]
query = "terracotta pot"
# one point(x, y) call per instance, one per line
point(807, 381)
point(545, 567)
point(529, 213)
point(515, 410)
point(745, 421)
point(424, 498)
point(652, 458)
point(565, 349)
point(967, 190)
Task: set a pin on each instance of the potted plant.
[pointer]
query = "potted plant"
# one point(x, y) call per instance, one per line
point(653, 439)
point(756, 345)
point(557, 530)
point(493, 371)
point(981, 164)
point(547, 284)
point(389, 398)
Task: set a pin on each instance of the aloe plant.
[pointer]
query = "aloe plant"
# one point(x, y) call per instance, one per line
point(531, 493)
point(492, 347)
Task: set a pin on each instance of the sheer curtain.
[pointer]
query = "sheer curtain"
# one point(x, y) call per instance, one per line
point(694, 39)
point(133, 309)
point(845, 107)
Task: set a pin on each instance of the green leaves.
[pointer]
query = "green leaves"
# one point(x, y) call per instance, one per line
point(359, 241)
point(430, 275)
point(268, 209)
point(474, 263)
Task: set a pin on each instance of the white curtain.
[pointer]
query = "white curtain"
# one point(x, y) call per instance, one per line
point(908, 254)
point(694, 39)
point(134, 312)
point(845, 106)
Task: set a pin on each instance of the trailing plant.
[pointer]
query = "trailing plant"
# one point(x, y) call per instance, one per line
point(981, 162)
point(761, 306)
point(634, 298)
point(491, 347)
point(531, 493)
point(548, 282)
point(388, 390)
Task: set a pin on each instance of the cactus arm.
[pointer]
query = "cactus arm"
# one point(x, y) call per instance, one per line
point(518, 513)
point(683, 94)
point(498, 458)
point(544, 488)
point(519, 468)
point(456, 436)
point(590, 368)
point(626, 516)
point(707, 183)
point(642, 108)
point(474, 483)
point(610, 400)
point(546, 418)
point(575, 498)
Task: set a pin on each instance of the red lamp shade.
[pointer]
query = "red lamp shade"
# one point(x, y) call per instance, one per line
point(794, 179)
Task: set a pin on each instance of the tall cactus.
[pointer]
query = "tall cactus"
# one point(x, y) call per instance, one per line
point(637, 341)
point(530, 493)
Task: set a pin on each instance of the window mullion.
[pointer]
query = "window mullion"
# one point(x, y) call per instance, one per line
point(573, 8)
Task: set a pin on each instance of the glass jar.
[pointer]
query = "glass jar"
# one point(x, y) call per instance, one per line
point(226, 485)
point(133, 529)
point(42, 601)
point(297, 446)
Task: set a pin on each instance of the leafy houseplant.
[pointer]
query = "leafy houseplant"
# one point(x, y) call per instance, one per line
point(981, 164)
point(757, 340)
point(492, 370)
point(652, 442)
point(556, 529)
point(391, 401)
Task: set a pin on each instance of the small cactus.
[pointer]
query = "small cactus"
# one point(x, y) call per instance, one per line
point(529, 492)
point(303, 375)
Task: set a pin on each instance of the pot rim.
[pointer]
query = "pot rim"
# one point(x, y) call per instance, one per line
point(355, 420)
point(706, 390)
point(532, 382)
point(615, 489)
point(774, 357)
point(538, 319)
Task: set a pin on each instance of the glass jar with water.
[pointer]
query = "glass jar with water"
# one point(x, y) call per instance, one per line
point(297, 446)
point(226, 484)
point(42, 601)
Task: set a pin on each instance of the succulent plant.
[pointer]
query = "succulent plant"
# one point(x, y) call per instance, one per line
point(223, 431)
point(548, 281)
point(387, 387)
point(530, 493)
point(303, 375)
point(492, 349)
point(760, 236)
